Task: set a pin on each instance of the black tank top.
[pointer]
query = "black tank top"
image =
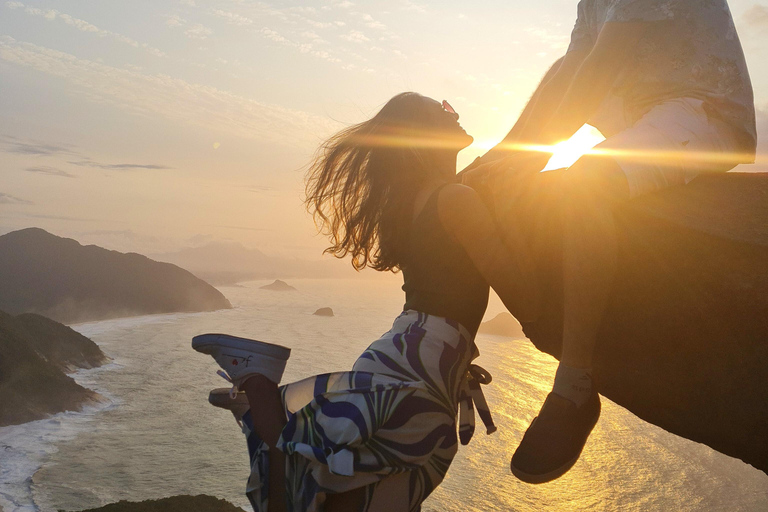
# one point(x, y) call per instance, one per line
point(439, 277)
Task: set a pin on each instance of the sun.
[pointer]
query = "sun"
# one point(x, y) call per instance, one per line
point(565, 153)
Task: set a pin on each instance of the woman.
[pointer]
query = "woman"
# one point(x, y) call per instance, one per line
point(382, 436)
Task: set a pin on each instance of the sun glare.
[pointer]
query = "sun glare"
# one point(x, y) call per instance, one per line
point(565, 153)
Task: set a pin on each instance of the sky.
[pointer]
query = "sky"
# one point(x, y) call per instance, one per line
point(150, 126)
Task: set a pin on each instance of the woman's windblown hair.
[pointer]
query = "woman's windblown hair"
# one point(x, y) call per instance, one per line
point(361, 185)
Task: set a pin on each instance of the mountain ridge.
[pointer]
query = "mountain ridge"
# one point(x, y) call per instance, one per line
point(227, 263)
point(68, 282)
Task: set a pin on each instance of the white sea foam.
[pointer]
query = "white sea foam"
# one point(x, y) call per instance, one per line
point(25, 448)
point(95, 328)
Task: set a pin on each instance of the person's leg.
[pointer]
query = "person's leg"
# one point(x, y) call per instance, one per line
point(594, 188)
point(268, 421)
point(256, 367)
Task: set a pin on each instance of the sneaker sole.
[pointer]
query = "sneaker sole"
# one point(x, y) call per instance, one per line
point(554, 474)
point(545, 477)
point(220, 398)
point(207, 343)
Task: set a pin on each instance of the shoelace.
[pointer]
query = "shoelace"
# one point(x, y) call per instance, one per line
point(233, 391)
point(233, 394)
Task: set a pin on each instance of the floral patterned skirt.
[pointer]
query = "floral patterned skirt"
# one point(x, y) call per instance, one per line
point(389, 425)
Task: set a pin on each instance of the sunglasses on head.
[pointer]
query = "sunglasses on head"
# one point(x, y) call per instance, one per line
point(448, 108)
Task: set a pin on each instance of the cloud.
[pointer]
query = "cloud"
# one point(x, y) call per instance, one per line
point(307, 48)
point(13, 145)
point(171, 98)
point(174, 21)
point(355, 36)
point(59, 217)
point(344, 4)
point(407, 5)
point(319, 24)
point(272, 35)
point(303, 9)
point(9, 199)
point(372, 23)
point(51, 171)
point(261, 189)
point(756, 16)
point(198, 31)
point(35, 148)
point(84, 26)
point(233, 17)
point(90, 163)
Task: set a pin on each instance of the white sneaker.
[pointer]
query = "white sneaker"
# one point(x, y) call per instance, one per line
point(242, 357)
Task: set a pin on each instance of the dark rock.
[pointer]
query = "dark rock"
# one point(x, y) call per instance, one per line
point(61, 345)
point(502, 324)
point(199, 503)
point(278, 286)
point(324, 312)
point(684, 341)
point(32, 383)
point(63, 280)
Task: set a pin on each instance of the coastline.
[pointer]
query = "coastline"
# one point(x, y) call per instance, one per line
point(27, 446)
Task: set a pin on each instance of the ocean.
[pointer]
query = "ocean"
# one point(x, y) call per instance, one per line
point(155, 435)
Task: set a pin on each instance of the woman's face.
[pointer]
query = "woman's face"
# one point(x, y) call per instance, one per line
point(446, 126)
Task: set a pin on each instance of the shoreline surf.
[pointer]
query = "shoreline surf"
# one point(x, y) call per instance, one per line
point(28, 446)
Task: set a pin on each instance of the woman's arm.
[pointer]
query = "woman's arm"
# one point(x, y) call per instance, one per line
point(502, 257)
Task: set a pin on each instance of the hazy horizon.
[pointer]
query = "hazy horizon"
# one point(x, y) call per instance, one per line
point(154, 126)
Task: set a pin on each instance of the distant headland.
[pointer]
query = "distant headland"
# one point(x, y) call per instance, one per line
point(34, 354)
point(68, 282)
point(503, 324)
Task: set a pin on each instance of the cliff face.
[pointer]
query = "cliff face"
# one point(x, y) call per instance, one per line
point(684, 342)
point(63, 280)
point(60, 345)
point(33, 353)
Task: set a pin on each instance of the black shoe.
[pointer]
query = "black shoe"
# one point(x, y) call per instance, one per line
point(553, 442)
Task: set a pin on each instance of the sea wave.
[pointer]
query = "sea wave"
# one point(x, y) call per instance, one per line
point(26, 447)
point(95, 328)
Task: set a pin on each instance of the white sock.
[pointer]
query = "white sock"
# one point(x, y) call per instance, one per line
point(575, 384)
